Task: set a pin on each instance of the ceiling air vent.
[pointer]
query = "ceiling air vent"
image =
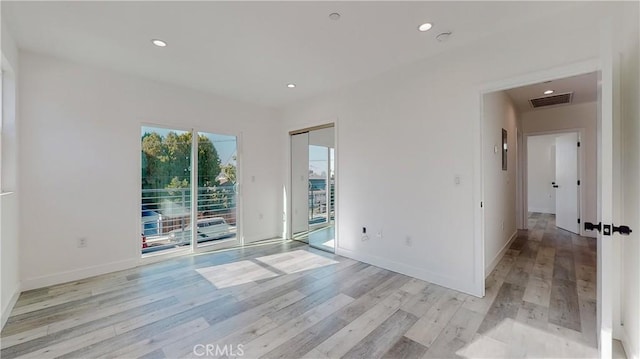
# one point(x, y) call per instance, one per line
point(560, 99)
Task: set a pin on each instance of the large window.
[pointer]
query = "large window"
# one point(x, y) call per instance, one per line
point(168, 179)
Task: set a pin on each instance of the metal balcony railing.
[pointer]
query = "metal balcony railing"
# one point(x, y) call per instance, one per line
point(166, 212)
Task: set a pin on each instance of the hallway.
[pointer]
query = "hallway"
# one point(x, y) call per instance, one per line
point(544, 295)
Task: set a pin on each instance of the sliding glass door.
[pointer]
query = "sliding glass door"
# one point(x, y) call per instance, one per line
point(217, 206)
point(313, 188)
point(169, 175)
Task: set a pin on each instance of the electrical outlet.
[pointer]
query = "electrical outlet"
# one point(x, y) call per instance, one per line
point(379, 233)
point(502, 225)
point(260, 215)
point(82, 242)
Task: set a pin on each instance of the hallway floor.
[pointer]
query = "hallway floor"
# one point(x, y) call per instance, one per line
point(543, 296)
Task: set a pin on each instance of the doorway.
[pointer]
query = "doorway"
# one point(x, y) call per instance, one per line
point(313, 187)
point(553, 181)
point(542, 268)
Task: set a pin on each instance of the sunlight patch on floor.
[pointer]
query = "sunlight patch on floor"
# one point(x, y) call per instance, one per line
point(232, 274)
point(512, 339)
point(296, 261)
point(237, 273)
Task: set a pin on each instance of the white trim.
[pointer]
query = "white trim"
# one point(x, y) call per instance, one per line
point(77, 274)
point(478, 198)
point(415, 272)
point(501, 253)
point(541, 210)
point(6, 311)
point(577, 68)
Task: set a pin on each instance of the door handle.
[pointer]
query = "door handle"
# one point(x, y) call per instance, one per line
point(555, 185)
point(588, 226)
point(623, 230)
point(608, 230)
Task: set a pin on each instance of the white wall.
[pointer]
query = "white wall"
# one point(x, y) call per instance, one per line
point(541, 171)
point(80, 163)
point(9, 244)
point(420, 123)
point(499, 186)
point(579, 116)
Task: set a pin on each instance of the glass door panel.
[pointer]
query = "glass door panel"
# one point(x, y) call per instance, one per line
point(217, 202)
point(300, 209)
point(166, 190)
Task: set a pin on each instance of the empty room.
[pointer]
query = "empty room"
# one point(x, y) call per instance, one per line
point(257, 179)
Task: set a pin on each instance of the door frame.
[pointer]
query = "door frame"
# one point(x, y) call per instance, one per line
point(523, 205)
point(606, 321)
point(575, 69)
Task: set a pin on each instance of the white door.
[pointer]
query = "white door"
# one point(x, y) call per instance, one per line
point(567, 182)
point(605, 193)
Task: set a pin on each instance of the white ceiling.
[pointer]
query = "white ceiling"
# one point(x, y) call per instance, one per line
point(251, 50)
point(584, 88)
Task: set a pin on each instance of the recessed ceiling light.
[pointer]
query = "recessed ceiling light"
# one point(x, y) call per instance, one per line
point(291, 86)
point(159, 43)
point(334, 16)
point(425, 27)
point(548, 92)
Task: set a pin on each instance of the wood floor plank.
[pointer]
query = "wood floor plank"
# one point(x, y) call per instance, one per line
point(405, 348)
point(458, 332)
point(341, 342)
point(157, 341)
point(383, 338)
point(506, 305)
point(228, 325)
point(428, 327)
point(269, 341)
point(564, 308)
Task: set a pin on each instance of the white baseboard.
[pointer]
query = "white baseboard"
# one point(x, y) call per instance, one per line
point(542, 210)
point(6, 311)
point(77, 274)
point(420, 273)
point(498, 257)
point(630, 348)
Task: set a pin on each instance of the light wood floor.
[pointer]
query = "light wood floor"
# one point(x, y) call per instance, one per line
point(290, 301)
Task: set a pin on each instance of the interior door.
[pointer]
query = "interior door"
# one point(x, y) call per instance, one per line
point(566, 184)
point(605, 193)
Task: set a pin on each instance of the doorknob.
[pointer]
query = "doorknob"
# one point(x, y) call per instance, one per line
point(607, 230)
point(623, 230)
point(588, 226)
